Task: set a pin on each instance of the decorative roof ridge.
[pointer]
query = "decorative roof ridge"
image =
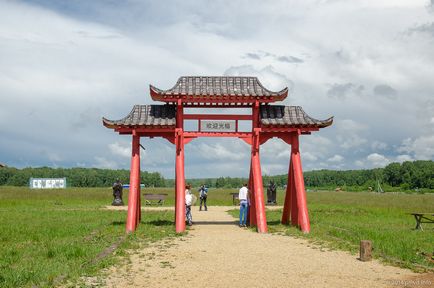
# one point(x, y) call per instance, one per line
point(106, 122)
point(201, 87)
point(284, 90)
point(137, 115)
point(290, 116)
point(248, 77)
point(314, 119)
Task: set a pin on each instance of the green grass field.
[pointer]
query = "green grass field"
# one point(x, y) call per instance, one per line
point(51, 236)
point(339, 220)
point(48, 237)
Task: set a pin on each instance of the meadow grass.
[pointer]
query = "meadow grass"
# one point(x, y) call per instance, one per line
point(48, 237)
point(339, 220)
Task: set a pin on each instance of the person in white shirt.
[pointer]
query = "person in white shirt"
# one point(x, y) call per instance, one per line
point(243, 196)
point(188, 202)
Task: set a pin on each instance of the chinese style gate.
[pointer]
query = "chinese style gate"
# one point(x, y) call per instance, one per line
point(268, 121)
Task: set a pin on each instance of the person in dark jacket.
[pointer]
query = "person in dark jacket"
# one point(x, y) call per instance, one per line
point(203, 194)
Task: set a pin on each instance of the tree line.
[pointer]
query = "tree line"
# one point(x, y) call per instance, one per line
point(395, 176)
point(77, 177)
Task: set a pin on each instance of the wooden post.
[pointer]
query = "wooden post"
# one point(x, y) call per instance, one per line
point(258, 189)
point(261, 220)
point(365, 250)
point(303, 216)
point(179, 170)
point(139, 207)
point(293, 198)
point(134, 190)
point(252, 209)
point(288, 195)
point(180, 183)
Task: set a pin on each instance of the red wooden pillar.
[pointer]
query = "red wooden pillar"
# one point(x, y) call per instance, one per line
point(134, 191)
point(303, 216)
point(261, 220)
point(139, 206)
point(252, 209)
point(258, 188)
point(287, 204)
point(293, 195)
point(179, 170)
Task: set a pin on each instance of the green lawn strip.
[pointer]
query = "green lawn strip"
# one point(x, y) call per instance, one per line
point(341, 220)
point(44, 243)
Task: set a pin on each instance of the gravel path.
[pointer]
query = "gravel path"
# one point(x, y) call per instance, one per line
point(217, 253)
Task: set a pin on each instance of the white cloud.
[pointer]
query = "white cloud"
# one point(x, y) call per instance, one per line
point(403, 158)
point(276, 149)
point(101, 162)
point(316, 146)
point(351, 141)
point(273, 169)
point(267, 75)
point(349, 133)
point(218, 151)
point(308, 156)
point(377, 160)
point(63, 69)
point(378, 145)
point(336, 158)
point(422, 147)
point(54, 157)
point(122, 149)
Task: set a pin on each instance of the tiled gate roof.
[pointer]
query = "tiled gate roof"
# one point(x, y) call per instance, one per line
point(290, 116)
point(202, 89)
point(165, 115)
point(146, 115)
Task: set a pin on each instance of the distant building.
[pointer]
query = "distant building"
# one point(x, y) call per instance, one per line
point(3, 165)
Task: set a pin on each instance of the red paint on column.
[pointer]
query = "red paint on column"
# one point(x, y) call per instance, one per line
point(303, 216)
point(252, 211)
point(134, 188)
point(287, 203)
point(261, 220)
point(139, 207)
point(180, 184)
point(293, 201)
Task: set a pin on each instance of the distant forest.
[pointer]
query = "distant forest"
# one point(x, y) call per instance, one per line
point(417, 175)
point(77, 177)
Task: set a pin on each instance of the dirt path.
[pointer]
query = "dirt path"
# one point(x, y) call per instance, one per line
point(217, 253)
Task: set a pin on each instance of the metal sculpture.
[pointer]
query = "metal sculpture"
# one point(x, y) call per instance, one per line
point(117, 193)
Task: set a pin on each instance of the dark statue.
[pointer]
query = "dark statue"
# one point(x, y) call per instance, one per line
point(117, 193)
point(271, 193)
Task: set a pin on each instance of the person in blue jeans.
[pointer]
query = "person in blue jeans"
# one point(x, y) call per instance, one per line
point(243, 195)
point(203, 194)
point(188, 203)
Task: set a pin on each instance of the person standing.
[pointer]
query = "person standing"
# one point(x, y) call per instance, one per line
point(188, 203)
point(203, 194)
point(243, 195)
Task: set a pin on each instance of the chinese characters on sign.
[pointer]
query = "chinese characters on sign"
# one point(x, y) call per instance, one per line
point(47, 183)
point(217, 125)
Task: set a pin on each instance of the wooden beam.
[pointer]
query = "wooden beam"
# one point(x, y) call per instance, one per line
point(217, 117)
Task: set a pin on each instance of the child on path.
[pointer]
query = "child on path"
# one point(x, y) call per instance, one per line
point(188, 203)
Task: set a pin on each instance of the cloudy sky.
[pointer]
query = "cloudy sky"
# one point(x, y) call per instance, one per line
point(65, 64)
